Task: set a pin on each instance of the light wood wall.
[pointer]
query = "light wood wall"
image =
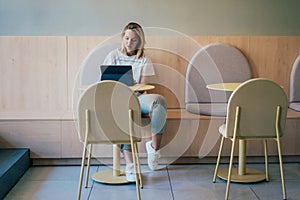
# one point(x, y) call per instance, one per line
point(39, 82)
point(39, 74)
point(269, 57)
point(33, 74)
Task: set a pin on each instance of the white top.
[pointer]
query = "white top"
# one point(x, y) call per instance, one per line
point(140, 66)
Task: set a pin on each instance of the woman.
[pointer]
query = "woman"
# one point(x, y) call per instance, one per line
point(132, 53)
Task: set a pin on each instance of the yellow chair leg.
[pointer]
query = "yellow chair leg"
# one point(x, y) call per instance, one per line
point(232, 150)
point(81, 171)
point(134, 149)
point(230, 170)
point(136, 173)
point(281, 169)
point(83, 153)
point(266, 160)
point(139, 167)
point(88, 165)
point(218, 160)
point(279, 153)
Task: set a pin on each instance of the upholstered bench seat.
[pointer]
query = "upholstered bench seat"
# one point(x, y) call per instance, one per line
point(295, 106)
point(215, 109)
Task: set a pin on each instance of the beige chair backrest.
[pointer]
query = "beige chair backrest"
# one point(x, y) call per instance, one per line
point(258, 100)
point(108, 104)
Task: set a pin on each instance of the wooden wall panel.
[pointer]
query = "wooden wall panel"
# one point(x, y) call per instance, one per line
point(43, 138)
point(33, 74)
point(39, 74)
point(72, 147)
point(269, 56)
point(78, 50)
point(45, 69)
point(273, 57)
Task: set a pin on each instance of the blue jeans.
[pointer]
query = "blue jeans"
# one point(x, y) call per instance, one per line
point(156, 105)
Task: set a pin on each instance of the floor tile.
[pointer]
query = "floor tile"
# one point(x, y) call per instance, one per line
point(173, 182)
point(46, 190)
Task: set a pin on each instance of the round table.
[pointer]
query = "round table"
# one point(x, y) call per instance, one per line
point(223, 86)
point(136, 87)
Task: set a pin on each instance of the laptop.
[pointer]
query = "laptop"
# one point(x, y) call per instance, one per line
point(121, 73)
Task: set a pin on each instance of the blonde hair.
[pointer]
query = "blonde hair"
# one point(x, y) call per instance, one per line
point(140, 33)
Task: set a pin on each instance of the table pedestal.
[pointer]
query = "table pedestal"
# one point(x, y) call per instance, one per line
point(113, 176)
point(242, 174)
point(251, 175)
point(107, 177)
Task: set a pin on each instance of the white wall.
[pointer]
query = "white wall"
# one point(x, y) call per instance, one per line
point(192, 17)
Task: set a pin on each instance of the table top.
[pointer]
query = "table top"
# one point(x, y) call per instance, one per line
point(141, 87)
point(136, 87)
point(223, 86)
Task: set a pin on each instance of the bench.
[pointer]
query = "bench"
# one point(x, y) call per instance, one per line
point(188, 137)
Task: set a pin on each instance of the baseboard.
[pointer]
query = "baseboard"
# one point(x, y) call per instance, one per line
point(182, 160)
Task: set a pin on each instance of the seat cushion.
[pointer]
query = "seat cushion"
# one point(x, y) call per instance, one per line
point(214, 109)
point(222, 130)
point(295, 106)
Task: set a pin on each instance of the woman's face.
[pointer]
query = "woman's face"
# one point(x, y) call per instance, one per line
point(130, 41)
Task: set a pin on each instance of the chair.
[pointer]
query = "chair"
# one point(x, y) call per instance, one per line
point(256, 111)
point(109, 113)
point(214, 63)
point(295, 85)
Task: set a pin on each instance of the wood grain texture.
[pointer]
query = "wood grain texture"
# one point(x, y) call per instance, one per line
point(33, 74)
point(39, 91)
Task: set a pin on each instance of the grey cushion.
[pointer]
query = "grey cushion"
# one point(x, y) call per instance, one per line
point(214, 63)
point(215, 109)
point(295, 85)
point(295, 106)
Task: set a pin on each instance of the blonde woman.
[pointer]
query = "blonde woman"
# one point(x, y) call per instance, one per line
point(132, 53)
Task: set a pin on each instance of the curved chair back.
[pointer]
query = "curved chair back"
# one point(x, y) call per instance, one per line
point(90, 68)
point(258, 100)
point(214, 63)
point(103, 111)
point(295, 85)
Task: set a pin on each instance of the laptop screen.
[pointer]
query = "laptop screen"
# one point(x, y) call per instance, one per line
point(121, 73)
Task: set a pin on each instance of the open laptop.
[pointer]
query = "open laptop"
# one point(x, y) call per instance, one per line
point(121, 73)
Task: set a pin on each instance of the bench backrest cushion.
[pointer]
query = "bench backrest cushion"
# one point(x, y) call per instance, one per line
point(295, 85)
point(214, 63)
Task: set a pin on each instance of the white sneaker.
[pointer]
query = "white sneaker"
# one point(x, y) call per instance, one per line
point(153, 156)
point(130, 175)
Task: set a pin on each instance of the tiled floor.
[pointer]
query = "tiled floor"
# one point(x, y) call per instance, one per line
point(179, 182)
